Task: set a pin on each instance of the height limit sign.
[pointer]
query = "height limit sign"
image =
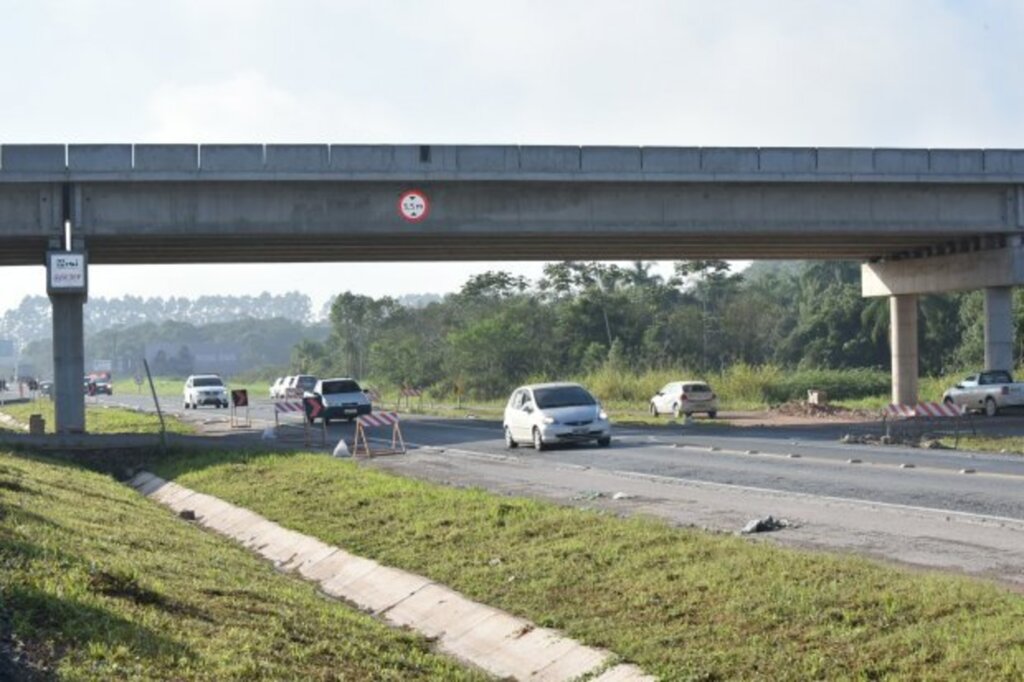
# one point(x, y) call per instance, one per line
point(413, 206)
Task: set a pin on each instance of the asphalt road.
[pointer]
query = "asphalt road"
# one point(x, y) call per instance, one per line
point(803, 460)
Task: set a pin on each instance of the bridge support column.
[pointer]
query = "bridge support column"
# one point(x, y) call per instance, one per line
point(68, 363)
point(999, 328)
point(903, 345)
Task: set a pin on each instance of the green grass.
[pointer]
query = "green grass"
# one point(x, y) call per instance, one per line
point(166, 387)
point(1013, 445)
point(100, 419)
point(100, 584)
point(681, 603)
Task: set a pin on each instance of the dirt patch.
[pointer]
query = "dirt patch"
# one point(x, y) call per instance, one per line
point(799, 414)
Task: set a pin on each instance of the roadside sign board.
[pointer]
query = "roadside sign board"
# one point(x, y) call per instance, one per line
point(240, 397)
point(413, 206)
point(66, 272)
point(313, 407)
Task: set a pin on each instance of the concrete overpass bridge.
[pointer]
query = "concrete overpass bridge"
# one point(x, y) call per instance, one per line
point(921, 220)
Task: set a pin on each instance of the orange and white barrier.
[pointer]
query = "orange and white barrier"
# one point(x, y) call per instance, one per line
point(934, 410)
point(376, 420)
point(282, 406)
point(306, 412)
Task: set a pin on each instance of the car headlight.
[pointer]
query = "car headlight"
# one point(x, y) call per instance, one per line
point(602, 415)
point(550, 420)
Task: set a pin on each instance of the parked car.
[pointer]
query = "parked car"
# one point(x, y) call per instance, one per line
point(46, 388)
point(544, 414)
point(277, 388)
point(341, 398)
point(683, 398)
point(205, 389)
point(987, 392)
point(298, 385)
point(104, 386)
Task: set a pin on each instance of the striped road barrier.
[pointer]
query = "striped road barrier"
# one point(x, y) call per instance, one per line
point(377, 420)
point(935, 410)
point(304, 409)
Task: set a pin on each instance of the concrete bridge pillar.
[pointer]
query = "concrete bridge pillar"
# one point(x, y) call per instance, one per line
point(903, 345)
point(999, 328)
point(68, 362)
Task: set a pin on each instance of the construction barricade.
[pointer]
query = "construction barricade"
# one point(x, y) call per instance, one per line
point(361, 444)
point(913, 422)
point(409, 392)
point(307, 409)
point(240, 409)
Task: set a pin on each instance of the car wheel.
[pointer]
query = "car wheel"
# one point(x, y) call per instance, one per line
point(510, 442)
point(604, 442)
point(688, 414)
point(538, 442)
point(185, 405)
point(991, 409)
point(654, 410)
point(712, 414)
point(676, 412)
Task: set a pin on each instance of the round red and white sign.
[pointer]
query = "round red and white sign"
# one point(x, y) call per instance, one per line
point(413, 206)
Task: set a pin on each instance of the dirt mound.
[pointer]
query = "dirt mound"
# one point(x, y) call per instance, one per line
point(796, 408)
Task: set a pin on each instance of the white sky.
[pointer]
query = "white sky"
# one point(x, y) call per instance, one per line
point(913, 73)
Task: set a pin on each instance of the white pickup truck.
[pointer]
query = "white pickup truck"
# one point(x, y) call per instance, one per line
point(987, 392)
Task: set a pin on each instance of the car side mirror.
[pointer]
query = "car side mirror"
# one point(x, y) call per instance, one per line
point(659, 393)
point(528, 409)
point(959, 386)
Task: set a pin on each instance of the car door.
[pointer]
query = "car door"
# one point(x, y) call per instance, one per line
point(513, 417)
point(968, 394)
point(661, 401)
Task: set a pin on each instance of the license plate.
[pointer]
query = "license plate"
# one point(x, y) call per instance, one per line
point(580, 429)
point(349, 412)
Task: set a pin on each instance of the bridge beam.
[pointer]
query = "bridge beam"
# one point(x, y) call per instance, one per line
point(903, 346)
point(997, 267)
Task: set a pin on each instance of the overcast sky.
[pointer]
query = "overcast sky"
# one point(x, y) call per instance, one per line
point(877, 73)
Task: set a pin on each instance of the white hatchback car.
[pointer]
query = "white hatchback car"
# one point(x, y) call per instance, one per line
point(205, 389)
point(681, 398)
point(544, 414)
point(341, 398)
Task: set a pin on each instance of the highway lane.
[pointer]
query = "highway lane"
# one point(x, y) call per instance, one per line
point(802, 461)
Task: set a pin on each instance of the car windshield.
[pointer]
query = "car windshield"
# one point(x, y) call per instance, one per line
point(207, 381)
point(342, 386)
point(698, 388)
point(562, 396)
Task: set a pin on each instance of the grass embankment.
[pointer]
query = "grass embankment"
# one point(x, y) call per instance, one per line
point(681, 603)
point(1012, 445)
point(100, 584)
point(627, 394)
point(99, 419)
point(173, 388)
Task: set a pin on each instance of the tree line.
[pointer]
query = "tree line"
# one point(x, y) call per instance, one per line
point(500, 329)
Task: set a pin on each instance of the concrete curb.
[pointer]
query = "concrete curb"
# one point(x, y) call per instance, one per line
point(488, 638)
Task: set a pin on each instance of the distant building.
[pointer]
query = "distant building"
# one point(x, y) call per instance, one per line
point(182, 359)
